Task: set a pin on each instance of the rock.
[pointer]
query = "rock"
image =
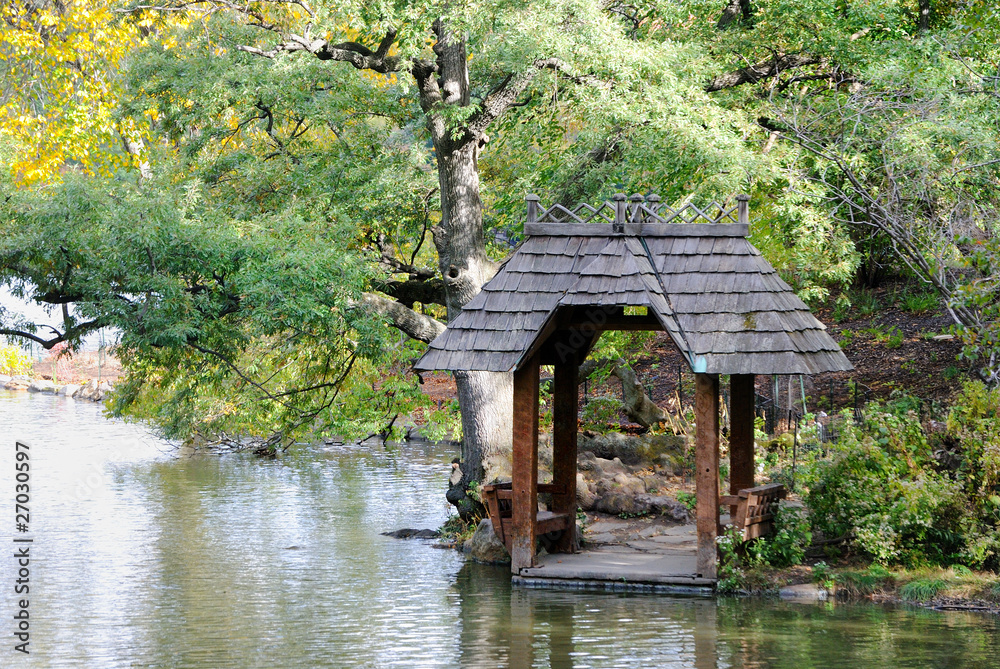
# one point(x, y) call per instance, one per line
point(17, 383)
point(485, 547)
point(409, 533)
point(41, 386)
point(69, 390)
point(630, 485)
point(804, 592)
point(4, 380)
point(94, 391)
point(585, 497)
point(631, 449)
point(667, 507)
point(617, 503)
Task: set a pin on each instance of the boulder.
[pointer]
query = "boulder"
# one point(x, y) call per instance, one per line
point(667, 507)
point(69, 390)
point(18, 383)
point(618, 503)
point(42, 386)
point(585, 497)
point(4, 380)
point(485, 547)
point(632, 449)
point(410, 533)
point(94, 391)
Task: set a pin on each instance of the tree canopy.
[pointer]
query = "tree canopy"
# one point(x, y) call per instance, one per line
point(298, 178)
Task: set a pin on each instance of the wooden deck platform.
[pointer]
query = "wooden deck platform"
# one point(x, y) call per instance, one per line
point(664, 562)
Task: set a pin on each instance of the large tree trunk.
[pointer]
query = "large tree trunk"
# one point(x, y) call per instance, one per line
point(485, 398)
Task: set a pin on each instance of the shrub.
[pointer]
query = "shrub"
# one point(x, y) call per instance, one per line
point(792, 535)
point(13, 360)
point(881, 488)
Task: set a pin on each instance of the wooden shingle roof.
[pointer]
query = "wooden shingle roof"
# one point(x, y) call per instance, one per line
point(724, 306)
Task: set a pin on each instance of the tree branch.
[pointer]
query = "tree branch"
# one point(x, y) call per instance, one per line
point(358, 55)
point(417, 326)
point(416, 290)
point(637, 405)
point(762, 70)
point(73, 332)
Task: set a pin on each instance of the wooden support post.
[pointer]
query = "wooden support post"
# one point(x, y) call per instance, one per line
point(706, 460)
point(564, 428)
point(741, 446)
point(525, 465)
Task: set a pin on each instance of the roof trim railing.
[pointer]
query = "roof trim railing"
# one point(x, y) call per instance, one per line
point(627, 214)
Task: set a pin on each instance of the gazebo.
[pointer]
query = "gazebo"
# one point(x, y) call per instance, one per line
point(632, 264)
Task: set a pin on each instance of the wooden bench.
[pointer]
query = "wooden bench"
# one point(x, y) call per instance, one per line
point(498, 498)
point(755, 508)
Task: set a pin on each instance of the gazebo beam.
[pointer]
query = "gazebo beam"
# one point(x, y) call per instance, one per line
point(525, 465)
point(741, 445)
point(706, 461)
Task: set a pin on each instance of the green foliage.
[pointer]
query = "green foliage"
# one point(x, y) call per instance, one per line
point(875, 578)
point(979, 293)
point(885, 488)
point(13, 360)
point(743, 566)
point(922, 590)
point(731, 571)
point(792, 535)
point(601, 413)
point(822, 577)
point(879, 487)
point(688, 499)
point(919, 303)
point(244, 326)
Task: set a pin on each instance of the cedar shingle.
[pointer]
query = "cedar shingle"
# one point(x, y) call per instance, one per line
point(723, 301)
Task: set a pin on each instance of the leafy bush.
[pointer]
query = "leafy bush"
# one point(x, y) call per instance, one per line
point(881, 488)
point(13, 360)
point(792, 535)
point(742, 565)
point(885, 488)
point(688, 499)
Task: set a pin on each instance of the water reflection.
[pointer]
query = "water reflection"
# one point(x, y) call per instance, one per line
point(145, 559)
point(560, 629)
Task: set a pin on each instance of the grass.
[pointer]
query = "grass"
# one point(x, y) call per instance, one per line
point(916, 585)
point(922, 590)
point(865, 302)
point(918, 303)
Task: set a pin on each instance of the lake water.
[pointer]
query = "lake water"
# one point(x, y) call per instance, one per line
point(145, 558)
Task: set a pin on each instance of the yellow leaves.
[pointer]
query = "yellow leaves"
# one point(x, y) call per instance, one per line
point(61, 65)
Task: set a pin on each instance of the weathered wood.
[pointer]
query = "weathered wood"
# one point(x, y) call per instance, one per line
point(706, 460)
point(707, 229)
point(755, 509)
point(714, 294)
point(565, 396)
point(525, 466)
point(741, 445)
point(499, 500)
